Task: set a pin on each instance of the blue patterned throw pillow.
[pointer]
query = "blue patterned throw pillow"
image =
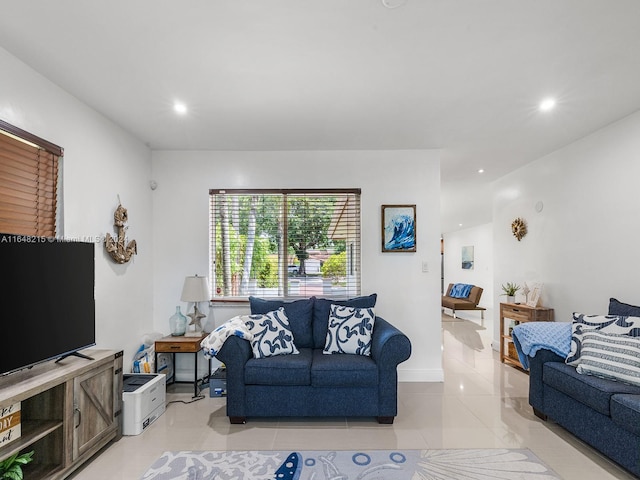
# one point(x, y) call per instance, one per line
point(616, 324)
point(349, 330)
point(271, 334)
point(322, 309)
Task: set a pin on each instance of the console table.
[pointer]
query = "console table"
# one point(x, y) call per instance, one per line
point(173, 345)
point(518, 313)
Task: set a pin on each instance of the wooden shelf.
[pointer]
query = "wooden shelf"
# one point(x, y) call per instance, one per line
point(32, 431)
point(518, 313)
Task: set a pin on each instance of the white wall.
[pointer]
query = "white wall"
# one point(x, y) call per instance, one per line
point(407, 297)
point(583, 243)
point(101, 161)
point(481, 238)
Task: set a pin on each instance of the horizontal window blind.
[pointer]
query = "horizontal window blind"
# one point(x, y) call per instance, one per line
point(285, 243)
point(28, 186)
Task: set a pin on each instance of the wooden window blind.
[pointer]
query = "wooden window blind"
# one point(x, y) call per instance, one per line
point(28, 183)
point(285, 243)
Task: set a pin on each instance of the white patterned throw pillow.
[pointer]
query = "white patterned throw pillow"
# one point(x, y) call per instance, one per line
point(349, 330)
point(615, 357)
point(615, 324)
point(271, 334)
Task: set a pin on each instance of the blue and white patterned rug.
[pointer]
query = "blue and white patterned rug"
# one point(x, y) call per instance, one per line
point(452, 464)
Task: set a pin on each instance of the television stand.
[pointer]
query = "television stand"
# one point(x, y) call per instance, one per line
point(69, 411)
point(74, 354)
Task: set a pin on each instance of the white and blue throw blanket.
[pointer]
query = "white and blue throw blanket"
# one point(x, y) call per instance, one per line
point(460, 290)
point(236, 326)
point(530, 337)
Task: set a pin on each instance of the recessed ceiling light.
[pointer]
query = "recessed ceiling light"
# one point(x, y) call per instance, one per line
point(459, 224)
point(481, 170)
point(547, 104)
point(180, 108)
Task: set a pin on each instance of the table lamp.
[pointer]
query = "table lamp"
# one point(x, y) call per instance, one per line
point(195, 289)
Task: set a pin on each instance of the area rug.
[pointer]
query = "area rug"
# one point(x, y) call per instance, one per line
point(449, 464)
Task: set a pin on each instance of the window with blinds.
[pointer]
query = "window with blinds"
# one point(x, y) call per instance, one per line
point(28, 183)
point(285, 243)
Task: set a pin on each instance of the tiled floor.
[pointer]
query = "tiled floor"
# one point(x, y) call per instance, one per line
point(481, 404)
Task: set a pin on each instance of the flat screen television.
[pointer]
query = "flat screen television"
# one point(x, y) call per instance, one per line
point(47, 302)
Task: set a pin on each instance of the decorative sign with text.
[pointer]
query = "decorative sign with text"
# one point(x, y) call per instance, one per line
point(9, 423)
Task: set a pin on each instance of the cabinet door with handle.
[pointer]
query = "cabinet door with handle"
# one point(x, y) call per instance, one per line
point(94, 409)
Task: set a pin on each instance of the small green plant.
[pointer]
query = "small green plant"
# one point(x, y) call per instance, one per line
point(510, 289)
point(11, 468)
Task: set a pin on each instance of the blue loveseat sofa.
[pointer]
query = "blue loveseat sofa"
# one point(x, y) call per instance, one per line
point(602, 412)
point(310, 383)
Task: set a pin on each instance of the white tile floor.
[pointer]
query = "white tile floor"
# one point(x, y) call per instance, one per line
point(481, 404)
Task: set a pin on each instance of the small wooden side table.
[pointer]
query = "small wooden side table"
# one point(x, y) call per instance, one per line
point(173, 345)
point(519, 313)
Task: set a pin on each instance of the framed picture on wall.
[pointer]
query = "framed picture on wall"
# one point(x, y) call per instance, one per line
point(467, 258)
point(398, 228)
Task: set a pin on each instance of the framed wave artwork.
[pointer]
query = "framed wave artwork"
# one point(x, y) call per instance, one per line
point(398, 228)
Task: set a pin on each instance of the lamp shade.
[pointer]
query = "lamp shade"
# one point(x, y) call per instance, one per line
point(195, 289)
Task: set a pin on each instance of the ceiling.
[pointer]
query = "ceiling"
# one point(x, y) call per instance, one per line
point(464, 76)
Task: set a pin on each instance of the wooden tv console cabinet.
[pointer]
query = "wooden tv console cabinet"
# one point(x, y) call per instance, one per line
point(69, 411)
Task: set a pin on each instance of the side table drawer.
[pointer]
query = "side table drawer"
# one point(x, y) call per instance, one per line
point(514, 313)
point(177, 347)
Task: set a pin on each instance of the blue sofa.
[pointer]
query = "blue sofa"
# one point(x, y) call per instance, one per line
point(310, 383)
point(603, 413)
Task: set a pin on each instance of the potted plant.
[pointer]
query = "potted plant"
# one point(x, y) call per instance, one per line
point(11, 468)
point(510, 289)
